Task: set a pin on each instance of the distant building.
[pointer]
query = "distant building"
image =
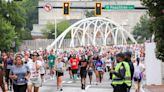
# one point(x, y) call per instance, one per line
point(126, 18)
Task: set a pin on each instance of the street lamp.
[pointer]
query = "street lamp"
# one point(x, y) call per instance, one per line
point(56, 29)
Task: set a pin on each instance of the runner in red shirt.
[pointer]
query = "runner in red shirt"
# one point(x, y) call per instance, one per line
point(74, 61)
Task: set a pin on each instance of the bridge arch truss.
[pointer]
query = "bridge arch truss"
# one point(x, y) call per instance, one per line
point(96, 31)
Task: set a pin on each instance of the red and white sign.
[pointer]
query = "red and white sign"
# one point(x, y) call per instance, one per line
point(48, 7)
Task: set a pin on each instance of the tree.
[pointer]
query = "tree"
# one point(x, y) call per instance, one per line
point(49, 30)
point(142, 29)
point(13, 19)
point(62, 26)
point(89, 14)
point(7, 34)
point(31, 9)
point(156, 12)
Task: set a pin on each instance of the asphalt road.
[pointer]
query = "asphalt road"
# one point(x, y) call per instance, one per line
point(70, 86)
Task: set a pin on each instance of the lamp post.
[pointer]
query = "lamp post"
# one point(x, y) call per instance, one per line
point(55, 34)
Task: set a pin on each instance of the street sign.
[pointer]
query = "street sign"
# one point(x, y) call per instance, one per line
point(119, 7)
point(48, 7)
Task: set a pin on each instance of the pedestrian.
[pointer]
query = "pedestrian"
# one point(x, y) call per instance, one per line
point(51, 63)
point(128, 59)
point(42, 68)
point(90, 69)
point(83, 63)
point(19, 74)
point(59, 68)
point(69, 66)
point(35, 79)
point(108, 66)
point(2, 84)
point(74, 66)
point(121, 76)
point(9, 63)
point(99, 67)
point(139, 69)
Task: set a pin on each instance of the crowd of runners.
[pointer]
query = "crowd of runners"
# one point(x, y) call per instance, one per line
point(25, 71)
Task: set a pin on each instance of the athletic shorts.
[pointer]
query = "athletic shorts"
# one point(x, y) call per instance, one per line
point(35, 82)
point(69, 68)
point(51, 66)
point(83, 73)
point(74, 71)
point(90, 73)
point(58, 74)
point(108, 67)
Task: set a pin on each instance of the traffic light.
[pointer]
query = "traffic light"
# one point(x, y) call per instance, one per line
point(66, 8)
point(98, 9)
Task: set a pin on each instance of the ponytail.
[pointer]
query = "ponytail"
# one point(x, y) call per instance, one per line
point(138, 61)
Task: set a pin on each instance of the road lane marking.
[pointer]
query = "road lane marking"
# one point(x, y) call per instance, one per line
point(88, 87)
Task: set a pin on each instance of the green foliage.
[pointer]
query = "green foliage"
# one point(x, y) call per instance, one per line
point(49, 30)
point(31, 12)
point(142, 29)
point(13, 22)
point(89, 14)
point(7, 34)
point(62, 26)
point(156, 12)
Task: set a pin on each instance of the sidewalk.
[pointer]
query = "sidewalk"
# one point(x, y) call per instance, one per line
point(155, 88)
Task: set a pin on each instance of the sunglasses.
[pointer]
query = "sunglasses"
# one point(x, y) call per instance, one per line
point(35, 55)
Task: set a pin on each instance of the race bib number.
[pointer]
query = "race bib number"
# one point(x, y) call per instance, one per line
point(99, 68)
point(74, 63)
point(51, 61)
point(35, 75)
point(21, 81)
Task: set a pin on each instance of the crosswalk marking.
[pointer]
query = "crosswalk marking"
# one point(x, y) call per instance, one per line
point(88, 87)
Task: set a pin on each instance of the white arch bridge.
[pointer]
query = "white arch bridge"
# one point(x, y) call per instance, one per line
point(96, 31)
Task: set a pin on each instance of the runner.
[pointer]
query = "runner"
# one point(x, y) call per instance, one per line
point(74, 66)
point(83, 71)
point(42, 68)
point(9, 63)
point(51, 63)
point(99, 70)
point(90, 67)
point(139, 69)
point(35, 79)
point(19, 74)
point(59, 68)
point(108, 66)
point(90, 71)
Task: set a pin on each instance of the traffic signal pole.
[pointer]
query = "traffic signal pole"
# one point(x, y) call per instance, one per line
point(58, 7)
point(97, 8)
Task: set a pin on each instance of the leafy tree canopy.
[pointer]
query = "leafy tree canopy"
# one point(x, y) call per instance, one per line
point(49, 30)
point(142, 29)
point(89, 14)
point(7, 34)
point(156, 12)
